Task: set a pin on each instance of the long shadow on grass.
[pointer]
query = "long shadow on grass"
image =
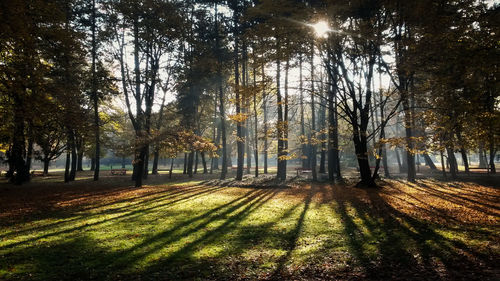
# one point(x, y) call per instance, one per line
point(248, 202)
point(388, 244)
point(70, 212)
point(293, 238)
point(141, 211)
point(78, 258)
point(477, 205)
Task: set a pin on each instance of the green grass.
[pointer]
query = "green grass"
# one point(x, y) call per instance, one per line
point(185, 230)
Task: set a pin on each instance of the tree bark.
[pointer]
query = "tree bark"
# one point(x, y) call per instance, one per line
point(313, 120)
point(222, 111)
point(429, 162)
point(264, 109)
point(95, 96)
point(156, 157)
point(281, 169)
point(256, 131)
point(46, 163)
point(204, 162)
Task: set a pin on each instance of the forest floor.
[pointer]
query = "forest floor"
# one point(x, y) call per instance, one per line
point(205, 229)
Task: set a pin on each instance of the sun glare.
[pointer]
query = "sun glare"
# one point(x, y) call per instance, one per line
point(321, 29)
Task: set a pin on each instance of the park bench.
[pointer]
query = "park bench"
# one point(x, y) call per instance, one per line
point(36, 173)
point(481, 170)
point(301, 170)
point(234, 168)
point(118, 171)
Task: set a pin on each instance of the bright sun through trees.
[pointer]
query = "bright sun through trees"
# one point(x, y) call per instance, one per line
point(321, 29)
point(249, 140)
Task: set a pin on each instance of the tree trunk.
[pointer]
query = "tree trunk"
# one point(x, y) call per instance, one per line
point(443, 166)
point(313, 120)
point(264, 109)
point(204, 162)
point(360, 147)
point(46, 163)
point(185, 163)
point(92, 164)
point(465, 161)
point(29, 155)
point(74, 160)
point(79, 166)
point(156, 157)
point(281, 172)
point(256, 131)
point(190, 164)
point(19, 172)
point(146, 162)
point(171, 168)
point(410, 157)
point(483, 161)
point(302, 124)
point(429, 162)
point(123, 162)
point(322, 127)
point(453, 162)
point(196, 162)
point(239, 130)
point(332, 130)
point(222, 111)
point(95, 97)
point(67, 166)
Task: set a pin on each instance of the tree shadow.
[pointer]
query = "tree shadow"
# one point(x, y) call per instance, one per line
point(389, 244)
point(125, 213)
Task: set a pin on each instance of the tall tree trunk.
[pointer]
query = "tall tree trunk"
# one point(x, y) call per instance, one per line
point(465, 161)
point(79, 166)
point(281, 173)
point(67, 166)
point(92, 164)
point(332, 127)
point(483, 161)
point(443, 166)
point(429, 162)
point(246, 107)
point(410, 156)
point(156, 157)
point(95, 97)
point(214, 133)
point(239, 130)
point(46, 163)
point(185, 163)
point(264, 109)
point(72, 174)
point(256, 131)
point(453, 162)
point(303, 145)
point(322, 127)
point(204, 162)
point(140, 149)
point(196, 162)
point(222, 111)
point(19, 173)
point(285, 117)
point(146, 161)
point(171, 168)
point(190, 164)
point(29, 154)
point(313, 119)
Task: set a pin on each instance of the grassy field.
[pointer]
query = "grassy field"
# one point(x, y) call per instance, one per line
point(197, 230)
